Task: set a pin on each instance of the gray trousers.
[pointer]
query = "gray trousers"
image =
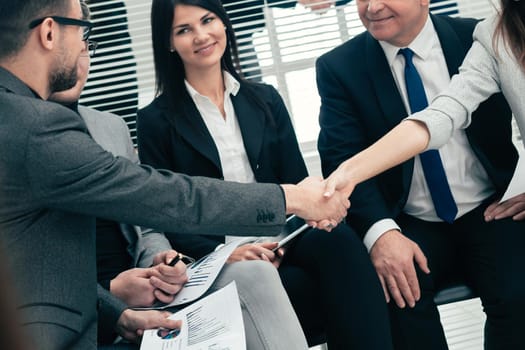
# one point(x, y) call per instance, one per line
point(270, 322)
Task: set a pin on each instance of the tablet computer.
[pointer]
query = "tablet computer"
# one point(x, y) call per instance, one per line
point(294, 226)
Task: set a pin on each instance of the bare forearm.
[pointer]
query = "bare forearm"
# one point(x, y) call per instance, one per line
point(403, 142)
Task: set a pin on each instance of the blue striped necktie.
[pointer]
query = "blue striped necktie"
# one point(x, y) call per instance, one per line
point(431, 162)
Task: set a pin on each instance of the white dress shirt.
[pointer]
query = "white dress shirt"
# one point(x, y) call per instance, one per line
point(225, 132)
point(468, 180)
point(226, 135)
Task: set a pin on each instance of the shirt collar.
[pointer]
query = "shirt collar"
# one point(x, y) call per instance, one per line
point(421, 45)
point(231, 86)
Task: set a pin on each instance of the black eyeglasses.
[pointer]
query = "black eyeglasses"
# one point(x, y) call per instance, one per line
point(66, 21)
point(91, 48)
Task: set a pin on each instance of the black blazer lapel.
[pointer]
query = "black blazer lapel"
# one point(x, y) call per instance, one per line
point(191, 127)
point(252, 124)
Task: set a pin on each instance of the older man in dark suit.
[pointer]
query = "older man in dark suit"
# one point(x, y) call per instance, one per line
point(367, 86)
point(55, 180)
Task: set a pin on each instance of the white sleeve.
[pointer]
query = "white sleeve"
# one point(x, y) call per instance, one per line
point(477, 80)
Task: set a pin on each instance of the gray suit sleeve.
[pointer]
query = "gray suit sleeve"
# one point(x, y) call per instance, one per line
point(149, 244)
point(112, 134)
point(109, 310)
point(67, 170)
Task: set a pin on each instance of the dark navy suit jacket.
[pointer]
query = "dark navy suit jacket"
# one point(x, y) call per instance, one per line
point(361, 103)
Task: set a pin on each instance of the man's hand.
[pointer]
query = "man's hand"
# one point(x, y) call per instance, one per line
point(168, 280)
point(393, 257)
point(134, 288)
point(256, 251)
point(142, 287)
point(307, 200)
point(513, 207)
point(164, 257)
point(132, 323)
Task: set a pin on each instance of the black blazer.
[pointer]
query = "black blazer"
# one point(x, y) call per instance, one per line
point(176, 138)
point(361, 103)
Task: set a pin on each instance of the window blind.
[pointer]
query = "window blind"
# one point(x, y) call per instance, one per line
point(279, 42)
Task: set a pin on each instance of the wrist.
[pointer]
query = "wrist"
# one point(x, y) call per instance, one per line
point(114, 289)
point(291, 197)
point(106, 284)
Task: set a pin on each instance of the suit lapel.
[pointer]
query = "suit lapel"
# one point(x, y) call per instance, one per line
point(192, 128)
point(252, 123)
point(454, 49)
point(389, 98)
point(383, 83)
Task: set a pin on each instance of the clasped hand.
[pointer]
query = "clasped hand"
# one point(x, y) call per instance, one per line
point(307, 200)
point(142, 287)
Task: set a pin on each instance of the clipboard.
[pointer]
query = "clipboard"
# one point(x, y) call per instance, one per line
point(294, 227)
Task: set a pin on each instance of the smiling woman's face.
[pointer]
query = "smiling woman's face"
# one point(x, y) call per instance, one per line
point(397, 22)
point(198, 36)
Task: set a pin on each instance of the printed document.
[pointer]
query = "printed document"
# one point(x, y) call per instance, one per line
point(203, 272)
point(212, 323)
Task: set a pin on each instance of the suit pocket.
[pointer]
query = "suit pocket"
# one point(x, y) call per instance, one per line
point(54, 314)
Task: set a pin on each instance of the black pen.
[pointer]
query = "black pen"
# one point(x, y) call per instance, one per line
point(175, 260)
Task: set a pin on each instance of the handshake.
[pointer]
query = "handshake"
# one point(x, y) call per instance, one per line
point(314, 200)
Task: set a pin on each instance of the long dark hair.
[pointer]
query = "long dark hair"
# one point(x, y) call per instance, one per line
point(511, 28)
point(169, 68)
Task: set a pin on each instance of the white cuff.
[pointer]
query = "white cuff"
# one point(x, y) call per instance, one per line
point(439, 121)
point(376, 230)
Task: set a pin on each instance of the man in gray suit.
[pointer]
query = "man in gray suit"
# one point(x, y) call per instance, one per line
point(55, 179)
point(261, 293)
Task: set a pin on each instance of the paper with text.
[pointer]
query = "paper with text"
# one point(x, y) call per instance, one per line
point(203, 272)
point(212, 323)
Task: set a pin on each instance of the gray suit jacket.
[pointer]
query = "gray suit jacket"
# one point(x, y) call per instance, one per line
point(110, 132)
point(55, 179)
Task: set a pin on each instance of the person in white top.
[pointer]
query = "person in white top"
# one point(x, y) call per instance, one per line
point(367, 88)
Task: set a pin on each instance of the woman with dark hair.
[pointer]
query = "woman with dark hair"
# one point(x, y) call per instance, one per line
point(208, 121)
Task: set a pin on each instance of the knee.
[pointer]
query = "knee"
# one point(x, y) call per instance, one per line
point(254, 275)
